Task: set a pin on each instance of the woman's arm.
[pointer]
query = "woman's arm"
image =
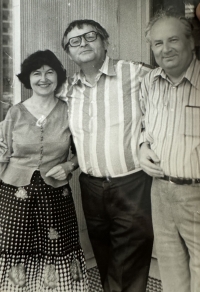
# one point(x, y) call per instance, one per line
point(3, 146)
point(6, 132)
point(64, 170)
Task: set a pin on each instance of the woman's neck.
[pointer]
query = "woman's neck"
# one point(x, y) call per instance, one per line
point(42, 101)
point(43, 98)
point(40, 105)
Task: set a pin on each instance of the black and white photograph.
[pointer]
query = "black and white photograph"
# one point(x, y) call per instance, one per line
point(100, 146)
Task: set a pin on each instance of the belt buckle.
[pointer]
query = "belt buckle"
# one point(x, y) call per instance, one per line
point(176, 180)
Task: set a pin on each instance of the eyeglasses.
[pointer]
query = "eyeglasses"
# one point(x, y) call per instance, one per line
point(90, 36)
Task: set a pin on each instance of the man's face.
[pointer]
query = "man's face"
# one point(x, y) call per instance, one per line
point(87, 51)
point(172, 49)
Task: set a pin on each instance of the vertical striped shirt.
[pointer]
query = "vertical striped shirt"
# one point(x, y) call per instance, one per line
point(172, 120)
point(105, 118)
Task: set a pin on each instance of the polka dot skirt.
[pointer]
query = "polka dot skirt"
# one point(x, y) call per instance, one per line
point(39, 242)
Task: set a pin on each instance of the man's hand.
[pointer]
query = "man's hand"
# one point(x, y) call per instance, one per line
point(149, 161)
point(3, 147)
point(57, 172)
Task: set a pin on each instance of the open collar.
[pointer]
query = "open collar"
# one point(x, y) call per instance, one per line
point(192, 74)
point(107, 68)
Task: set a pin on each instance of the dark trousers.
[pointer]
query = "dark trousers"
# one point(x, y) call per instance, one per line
point(118, 217)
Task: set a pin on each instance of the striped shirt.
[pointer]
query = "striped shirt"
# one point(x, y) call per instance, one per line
point(172, 120)
point(105, 118)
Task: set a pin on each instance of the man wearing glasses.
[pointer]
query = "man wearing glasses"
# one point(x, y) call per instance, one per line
point(104, 117)
point(105, 120)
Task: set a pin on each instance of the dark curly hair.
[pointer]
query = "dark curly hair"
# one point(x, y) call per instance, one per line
point(36, 61)
point(79, 23)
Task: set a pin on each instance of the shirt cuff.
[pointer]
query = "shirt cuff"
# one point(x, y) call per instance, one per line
point(68, 166)
point(143, 138)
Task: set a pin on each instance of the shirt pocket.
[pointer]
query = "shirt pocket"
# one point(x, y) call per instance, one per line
point(192, 121)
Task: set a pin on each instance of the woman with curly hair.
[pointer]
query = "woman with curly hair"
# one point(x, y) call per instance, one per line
point(39, 241)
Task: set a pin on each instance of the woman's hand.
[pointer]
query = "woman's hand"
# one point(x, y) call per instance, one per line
point(57, 172)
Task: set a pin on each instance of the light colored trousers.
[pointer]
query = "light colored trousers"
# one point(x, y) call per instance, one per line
point(176, 223)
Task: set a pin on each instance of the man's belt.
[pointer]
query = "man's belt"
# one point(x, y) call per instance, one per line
point(181, 181)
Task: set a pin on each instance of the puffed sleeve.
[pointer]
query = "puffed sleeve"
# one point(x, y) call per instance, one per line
point(7, 129)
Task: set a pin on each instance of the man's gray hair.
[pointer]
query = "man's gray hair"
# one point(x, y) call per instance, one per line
point(170, 12)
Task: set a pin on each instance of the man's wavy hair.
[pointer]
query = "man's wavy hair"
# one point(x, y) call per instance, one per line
point(36, 61)
point(79, 23)
point(169, 13)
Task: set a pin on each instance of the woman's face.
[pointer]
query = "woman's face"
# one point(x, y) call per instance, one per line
point(43, 81)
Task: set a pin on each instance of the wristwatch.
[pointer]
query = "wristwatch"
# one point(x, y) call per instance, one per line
point(73, 165)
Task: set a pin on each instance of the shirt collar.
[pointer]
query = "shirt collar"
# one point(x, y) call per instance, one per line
point(107, 68)
point(192, 73)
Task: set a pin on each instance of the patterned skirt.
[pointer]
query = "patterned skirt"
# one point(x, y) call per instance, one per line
point(39, 241)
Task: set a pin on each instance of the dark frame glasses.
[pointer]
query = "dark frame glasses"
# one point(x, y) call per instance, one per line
point(90, 36)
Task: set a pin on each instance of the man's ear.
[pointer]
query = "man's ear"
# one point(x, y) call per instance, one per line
point(106, 44)
point(68, 54)
point(192, 43)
